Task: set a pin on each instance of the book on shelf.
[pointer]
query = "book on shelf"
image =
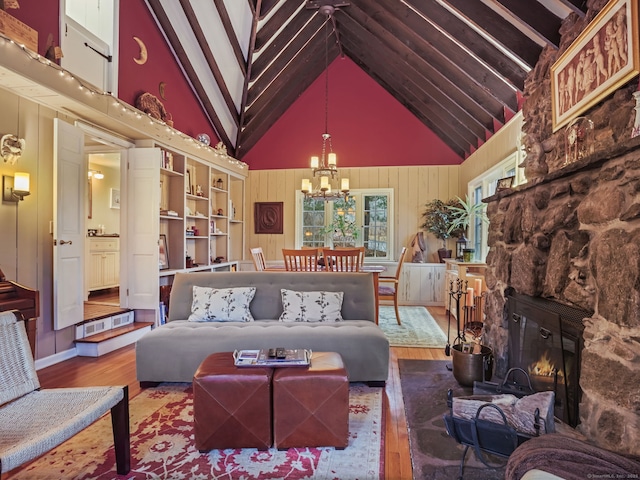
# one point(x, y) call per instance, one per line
point(267, 357)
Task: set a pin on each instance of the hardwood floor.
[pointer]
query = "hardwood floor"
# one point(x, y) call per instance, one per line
point(118, 368)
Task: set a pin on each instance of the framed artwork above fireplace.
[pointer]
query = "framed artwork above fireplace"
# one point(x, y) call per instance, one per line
point(603, 57)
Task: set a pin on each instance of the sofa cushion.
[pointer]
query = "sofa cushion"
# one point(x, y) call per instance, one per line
point(311, 306)
point(221, 305)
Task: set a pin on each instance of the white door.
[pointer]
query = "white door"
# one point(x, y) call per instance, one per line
point(70, 179)
point(143, 228)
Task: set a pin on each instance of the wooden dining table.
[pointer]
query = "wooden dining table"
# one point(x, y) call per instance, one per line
point(375, 270)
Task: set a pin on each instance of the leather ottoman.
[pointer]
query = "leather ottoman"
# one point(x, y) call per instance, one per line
point(311, 405)
point(231, 405)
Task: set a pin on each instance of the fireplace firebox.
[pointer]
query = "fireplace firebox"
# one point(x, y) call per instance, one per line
point(545, 340)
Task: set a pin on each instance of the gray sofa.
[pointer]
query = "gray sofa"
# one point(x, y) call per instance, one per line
point(172, 352)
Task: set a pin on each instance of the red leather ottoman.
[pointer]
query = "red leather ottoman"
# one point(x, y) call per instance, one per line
point(311, 405)
point(231, 405)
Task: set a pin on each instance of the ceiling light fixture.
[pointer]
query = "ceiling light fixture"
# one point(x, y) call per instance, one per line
point(97, 174)
point(325, 181)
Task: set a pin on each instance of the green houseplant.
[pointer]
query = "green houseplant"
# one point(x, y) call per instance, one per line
point(438, 219)
point(462, 212)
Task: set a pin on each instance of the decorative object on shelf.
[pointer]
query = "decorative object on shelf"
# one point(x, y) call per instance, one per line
point(326, 183)
point(153, 107)
point(220, 212)
point(188, 262)
point(218, 260)
point(461, 245)
point(163, 257)
point(603, 57)
point(504, 183)
point(467, 254)
point(141, 59)
point(199, 191)
point(219, 184)
point(204, 138)
point(187, 181)
point(11, 148)
point(578, 139)
point(268, 217)
point(220, 148)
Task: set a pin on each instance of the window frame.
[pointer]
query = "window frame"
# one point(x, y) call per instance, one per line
point(359, 195)
point(487, 183)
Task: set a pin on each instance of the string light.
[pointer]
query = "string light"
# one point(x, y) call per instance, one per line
point(117, 103)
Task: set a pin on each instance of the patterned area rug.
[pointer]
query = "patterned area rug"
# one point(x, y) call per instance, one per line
point(418, 328)
point(434, 454)
point(162, 446)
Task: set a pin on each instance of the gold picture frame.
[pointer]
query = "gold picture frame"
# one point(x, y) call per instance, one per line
point(603, 57)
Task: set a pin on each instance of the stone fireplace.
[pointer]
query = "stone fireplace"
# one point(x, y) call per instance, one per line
point(571, 235)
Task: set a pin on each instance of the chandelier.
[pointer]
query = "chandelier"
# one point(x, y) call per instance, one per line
point(326, 184)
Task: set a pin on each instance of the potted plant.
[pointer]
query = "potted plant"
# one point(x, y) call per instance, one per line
point(343, 232)
point(462, 213)
point(438, 219)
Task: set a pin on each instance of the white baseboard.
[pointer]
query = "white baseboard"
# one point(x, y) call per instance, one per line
point(56, 358)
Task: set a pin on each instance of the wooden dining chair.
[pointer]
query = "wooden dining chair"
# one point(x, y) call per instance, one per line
point(361, 249)
point(258, 259)
point(343, 260)
point(388, 287)
point(302, 260)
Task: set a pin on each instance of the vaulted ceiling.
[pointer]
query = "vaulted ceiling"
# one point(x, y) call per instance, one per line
point(458, 65)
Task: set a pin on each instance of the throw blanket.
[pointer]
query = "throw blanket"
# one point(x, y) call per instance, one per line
point(570, 459)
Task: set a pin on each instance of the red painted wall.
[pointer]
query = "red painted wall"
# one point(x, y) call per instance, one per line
point(367, 125)
point(133, 79)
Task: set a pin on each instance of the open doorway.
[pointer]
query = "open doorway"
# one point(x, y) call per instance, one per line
point(102, 259)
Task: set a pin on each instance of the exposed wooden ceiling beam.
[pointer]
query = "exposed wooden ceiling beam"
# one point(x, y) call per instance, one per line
point(211, 61)
point(431, 63)
point(231, 34)
point(281, 17)
point(186, 65)
point(472, 41)
point(289, 54)
point(537, 17)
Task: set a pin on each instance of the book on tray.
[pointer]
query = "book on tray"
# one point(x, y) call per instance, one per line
point(272, 357)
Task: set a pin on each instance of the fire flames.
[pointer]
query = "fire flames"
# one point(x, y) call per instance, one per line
point(544, 367)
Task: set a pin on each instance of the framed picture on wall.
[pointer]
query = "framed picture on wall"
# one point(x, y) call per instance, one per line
point(603, 58)
point(114, 198)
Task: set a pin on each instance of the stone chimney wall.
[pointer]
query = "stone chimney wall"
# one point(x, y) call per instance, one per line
point(572, 234)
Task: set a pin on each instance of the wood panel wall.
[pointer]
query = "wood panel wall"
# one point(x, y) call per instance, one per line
point(413, 187)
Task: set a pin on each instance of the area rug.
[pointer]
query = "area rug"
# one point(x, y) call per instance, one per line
point(434, 454)
point(418, 328)
point(162, 446)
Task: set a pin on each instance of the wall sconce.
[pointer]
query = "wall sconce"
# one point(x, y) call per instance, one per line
point(15, 188)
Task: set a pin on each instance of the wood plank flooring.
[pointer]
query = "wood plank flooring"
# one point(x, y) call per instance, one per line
point(118, 368)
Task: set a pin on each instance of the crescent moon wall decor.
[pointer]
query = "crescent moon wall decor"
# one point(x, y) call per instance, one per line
point(161, 88)
point(142, 58)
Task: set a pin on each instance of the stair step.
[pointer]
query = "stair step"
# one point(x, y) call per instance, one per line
point(111, 340)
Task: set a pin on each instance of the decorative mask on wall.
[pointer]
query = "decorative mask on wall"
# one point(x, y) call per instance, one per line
point(11, 148)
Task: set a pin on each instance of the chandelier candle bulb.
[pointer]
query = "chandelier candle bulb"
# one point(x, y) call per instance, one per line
point(315, 162)
point(344, 185)
point(331, 158)
point(324, 183)
point(470, 297)
point(306, 185)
